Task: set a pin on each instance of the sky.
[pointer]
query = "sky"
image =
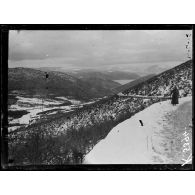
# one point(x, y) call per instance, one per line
point(97, 49)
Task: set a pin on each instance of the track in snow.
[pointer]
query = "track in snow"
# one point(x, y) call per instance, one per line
point(158, 141)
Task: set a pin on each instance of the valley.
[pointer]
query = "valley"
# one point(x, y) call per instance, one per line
point(28, 109)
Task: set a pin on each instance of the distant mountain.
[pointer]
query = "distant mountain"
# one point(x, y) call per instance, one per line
point(120, 75)
point(133, 83)
point(155, 69)
point(85, 73)
point(33, 81)
point(109, 75)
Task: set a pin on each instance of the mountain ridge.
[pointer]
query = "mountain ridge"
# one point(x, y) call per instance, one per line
point(59, 83)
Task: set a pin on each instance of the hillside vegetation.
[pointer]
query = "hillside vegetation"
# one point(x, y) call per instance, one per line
point(68, 138)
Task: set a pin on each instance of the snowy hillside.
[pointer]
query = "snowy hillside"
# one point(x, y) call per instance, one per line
point(81, 130)
point(152, 143)
point(181, 76)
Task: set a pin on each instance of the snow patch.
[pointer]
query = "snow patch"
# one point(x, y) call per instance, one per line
point(73, 101)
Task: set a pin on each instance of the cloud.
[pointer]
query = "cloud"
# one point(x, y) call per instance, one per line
point(95, 48)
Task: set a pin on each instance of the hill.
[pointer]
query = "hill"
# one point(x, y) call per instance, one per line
point(68, 138)
point(102, 85)
point(33, 81)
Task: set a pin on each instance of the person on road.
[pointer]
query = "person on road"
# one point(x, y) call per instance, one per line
point(175, 96)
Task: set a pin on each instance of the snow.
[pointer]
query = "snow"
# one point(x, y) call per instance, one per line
point(35, 101)
point(36, 105)
point(24, 103)
point(164, 90)
point(52, 113)
point(25, 119)
point(33, 106)
point(141, 96)
point(62, 98)
point(131, 143)
point(87, 103)
point(13, 128)
point(73, 101)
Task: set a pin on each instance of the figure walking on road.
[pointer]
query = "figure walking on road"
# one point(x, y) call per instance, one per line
point(175, 96)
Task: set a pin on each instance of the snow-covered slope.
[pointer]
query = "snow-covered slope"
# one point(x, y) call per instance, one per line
point(161, 84)
point(131, 143)
point(81, 130)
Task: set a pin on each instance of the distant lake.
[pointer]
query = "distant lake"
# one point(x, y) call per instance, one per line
point(122, 82)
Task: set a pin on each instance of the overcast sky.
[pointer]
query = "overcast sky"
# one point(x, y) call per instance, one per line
point(96, 49)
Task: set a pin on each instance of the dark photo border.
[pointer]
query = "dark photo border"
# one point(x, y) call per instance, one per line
point(4, 51)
